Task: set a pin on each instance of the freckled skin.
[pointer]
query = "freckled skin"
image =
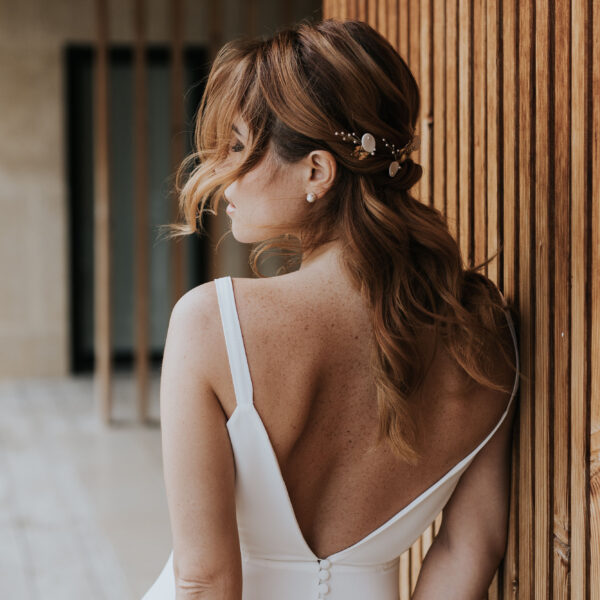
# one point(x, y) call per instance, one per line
point(307, 337)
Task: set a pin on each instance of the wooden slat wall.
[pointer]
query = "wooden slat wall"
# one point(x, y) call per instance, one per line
point(510, 127)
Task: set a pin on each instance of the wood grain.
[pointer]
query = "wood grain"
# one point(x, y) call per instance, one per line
point(438, 99)
point(594, 473)
point(465, 126)
point(492, 146)
point(526, 299)
point(561, 562)
point(509, 157)
point(479, 207)
point(579, 325)
point(542, 341)
point(451, 134)
point(426, 82)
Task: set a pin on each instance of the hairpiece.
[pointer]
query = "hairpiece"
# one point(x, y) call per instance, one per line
point(366, 145)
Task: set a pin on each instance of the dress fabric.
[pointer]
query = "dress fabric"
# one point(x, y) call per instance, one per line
point(277, 562)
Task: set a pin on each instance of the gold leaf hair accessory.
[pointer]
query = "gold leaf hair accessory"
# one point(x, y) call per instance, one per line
point(366, 146)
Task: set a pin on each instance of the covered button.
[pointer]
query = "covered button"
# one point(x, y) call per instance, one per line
point(323, 588)
point(324, 574)
point(325, 563)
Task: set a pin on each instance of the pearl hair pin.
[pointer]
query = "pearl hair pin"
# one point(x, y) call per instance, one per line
point(366, 146)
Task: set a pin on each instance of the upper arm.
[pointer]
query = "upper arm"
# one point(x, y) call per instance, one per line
point(475, 519)
point(197, 456)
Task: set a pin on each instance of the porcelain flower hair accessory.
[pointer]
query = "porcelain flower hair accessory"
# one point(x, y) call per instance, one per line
point(366, 145)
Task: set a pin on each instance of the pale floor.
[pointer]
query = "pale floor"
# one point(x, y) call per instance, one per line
point(83, 512)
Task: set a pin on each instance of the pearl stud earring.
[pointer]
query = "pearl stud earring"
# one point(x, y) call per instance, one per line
point(311, 197)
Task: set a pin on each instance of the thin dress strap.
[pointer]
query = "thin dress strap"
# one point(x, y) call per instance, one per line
point(238, 362)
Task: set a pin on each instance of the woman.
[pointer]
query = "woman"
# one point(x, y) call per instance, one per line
point(334, 409)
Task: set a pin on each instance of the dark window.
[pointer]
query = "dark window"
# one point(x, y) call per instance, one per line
point(79, 95)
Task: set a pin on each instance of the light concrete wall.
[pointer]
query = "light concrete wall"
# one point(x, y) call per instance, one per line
point(34, 289)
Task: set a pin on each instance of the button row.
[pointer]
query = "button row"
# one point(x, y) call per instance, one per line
point(324, 575)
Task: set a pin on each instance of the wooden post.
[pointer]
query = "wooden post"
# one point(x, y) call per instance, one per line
point(178, 254)
point(141, 220)
point(102, 246)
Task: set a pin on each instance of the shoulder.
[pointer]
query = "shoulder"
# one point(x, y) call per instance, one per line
point(194, 328)
point(197, 302)
point(195, 311)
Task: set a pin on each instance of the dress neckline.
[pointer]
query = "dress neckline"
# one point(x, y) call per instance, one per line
point(456, 469)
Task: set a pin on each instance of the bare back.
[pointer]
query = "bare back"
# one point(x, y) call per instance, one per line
point(307, 345)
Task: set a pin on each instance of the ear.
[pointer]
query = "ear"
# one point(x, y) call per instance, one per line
point(322, 168)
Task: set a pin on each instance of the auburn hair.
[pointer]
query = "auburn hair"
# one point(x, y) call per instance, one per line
point(294, 90)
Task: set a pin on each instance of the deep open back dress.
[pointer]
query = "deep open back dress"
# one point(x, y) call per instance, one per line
point(277, 562)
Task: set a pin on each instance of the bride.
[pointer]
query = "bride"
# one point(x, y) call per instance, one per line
point(314, 423)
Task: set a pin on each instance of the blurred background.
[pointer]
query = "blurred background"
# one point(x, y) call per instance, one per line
point(97, 107)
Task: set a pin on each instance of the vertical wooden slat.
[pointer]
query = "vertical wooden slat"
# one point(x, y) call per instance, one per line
point(414, 62)
point(142, 295)
point(392, 16)
point(362, 10)
point(465, 89)
point(102, 245)
point(579, 258)
point(427, 540)
point(405, 591)
point(426, 82)
point(451, 133)
point(178, 255)
point(403, 28)
point(526, 308)
point(479, 135)
point(509, 101)
point(542, 347)
point(594, 475)
point(416, 558)
point(492, 147)
point(382, 21)
point(562, 125)
point(438, 166)
point(372, 13)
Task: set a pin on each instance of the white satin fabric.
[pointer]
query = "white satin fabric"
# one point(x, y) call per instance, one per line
point(277, 562)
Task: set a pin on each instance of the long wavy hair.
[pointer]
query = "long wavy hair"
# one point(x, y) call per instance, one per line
point(295, 90)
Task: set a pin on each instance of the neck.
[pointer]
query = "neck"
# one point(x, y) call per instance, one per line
point(326, 256)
